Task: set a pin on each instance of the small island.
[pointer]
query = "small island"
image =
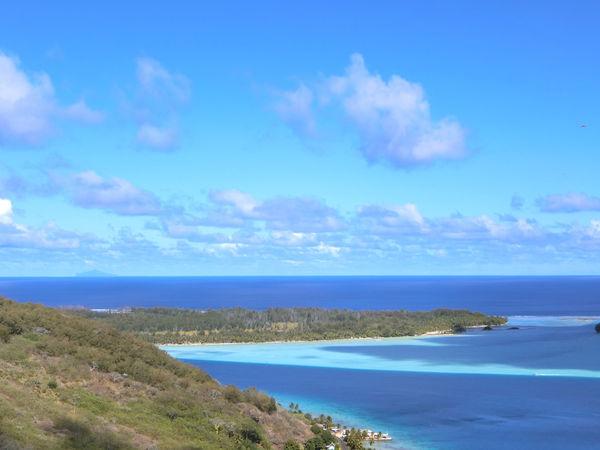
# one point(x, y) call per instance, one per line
point(238, 325)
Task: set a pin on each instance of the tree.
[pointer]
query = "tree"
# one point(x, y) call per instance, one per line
point(327, 437)
point(354, 439)
point(315, 443)
point(458, 328)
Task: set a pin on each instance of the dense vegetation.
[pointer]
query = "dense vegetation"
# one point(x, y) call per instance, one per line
point(70, 382)
point(169, 325)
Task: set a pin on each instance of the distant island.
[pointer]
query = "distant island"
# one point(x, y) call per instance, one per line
point(238, 325)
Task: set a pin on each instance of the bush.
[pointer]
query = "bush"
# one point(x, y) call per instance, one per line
point(232, 394)
point(316, 429)
point(52, 384)
point(251, 432)
point(4, 333)
point(262, 401)
point(292, 445)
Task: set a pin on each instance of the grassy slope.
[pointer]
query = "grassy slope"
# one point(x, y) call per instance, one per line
point(69, 382)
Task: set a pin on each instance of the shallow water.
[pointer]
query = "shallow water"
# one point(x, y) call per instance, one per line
point(536, 387)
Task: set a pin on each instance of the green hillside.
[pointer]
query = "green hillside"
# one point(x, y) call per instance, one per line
point(71, 382)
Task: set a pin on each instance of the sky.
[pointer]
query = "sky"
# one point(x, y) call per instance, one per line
point(306, 138)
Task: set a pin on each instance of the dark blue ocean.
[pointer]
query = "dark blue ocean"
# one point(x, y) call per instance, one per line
point(537, 387)
point(496, 295)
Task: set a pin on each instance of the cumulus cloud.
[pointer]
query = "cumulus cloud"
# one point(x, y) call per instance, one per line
point(568, 203)
point(28, 106)
point(162, 93)
point(391, 117)
point(26, 103)
point(89, 190)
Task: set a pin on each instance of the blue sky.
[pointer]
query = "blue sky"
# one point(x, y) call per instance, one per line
point(259, 138)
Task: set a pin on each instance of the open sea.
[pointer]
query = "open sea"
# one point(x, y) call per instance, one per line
point(536, 387)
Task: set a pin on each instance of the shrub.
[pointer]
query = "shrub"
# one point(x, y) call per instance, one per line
point(316, 429)
point(251, 432)
point(4, 333)
point(292, 445)
point(262, 401)
point(232, 394)
point(52, 384)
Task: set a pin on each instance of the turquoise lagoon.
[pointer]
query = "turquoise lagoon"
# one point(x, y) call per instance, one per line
point(535, 387)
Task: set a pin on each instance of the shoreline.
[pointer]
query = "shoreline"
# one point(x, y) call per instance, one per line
point(350, 339)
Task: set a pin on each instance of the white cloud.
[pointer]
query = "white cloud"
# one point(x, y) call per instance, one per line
point(593, 230)
point(298, 214)
point(568, 203)
point(15, 235)
point(242, 201)
point(395, 219)
point(330, 250)
point(392, 118)
point(292, 239)
point(6, 211)
point(28, 105)
point(159, 138)
point(90, 190)
point(483, 227)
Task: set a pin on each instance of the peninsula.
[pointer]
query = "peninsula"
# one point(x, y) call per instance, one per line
point(237, 325)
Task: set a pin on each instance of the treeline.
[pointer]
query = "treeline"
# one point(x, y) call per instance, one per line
point(183, 326)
